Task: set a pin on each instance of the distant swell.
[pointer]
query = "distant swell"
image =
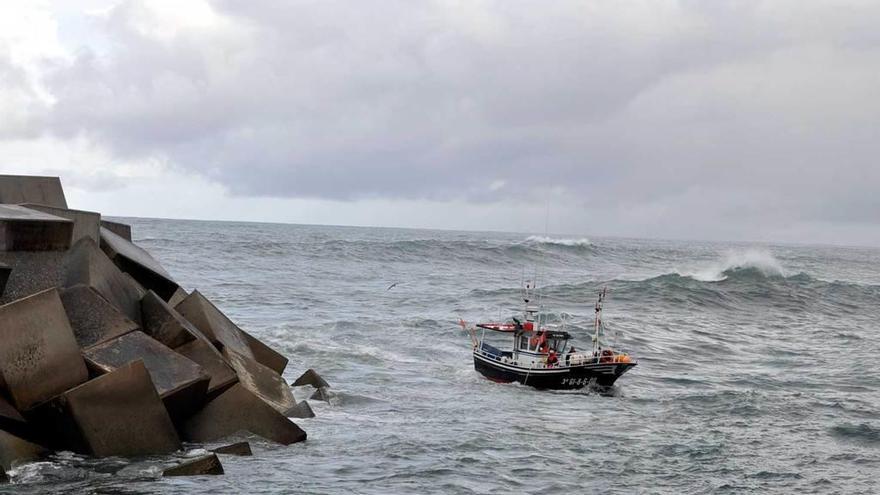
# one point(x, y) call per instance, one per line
point(529, 252)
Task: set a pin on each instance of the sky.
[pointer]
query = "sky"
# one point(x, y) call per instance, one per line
point(723, 120)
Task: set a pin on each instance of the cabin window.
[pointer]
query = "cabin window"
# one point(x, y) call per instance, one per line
point(523, 342)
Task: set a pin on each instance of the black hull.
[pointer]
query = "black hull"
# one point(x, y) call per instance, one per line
point(560, 378)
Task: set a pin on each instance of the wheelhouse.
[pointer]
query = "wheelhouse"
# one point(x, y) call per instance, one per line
point(542, 342)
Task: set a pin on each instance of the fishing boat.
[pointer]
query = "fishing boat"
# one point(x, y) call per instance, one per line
point(543, 357)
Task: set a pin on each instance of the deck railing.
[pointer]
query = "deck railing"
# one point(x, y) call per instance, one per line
point(566, 360)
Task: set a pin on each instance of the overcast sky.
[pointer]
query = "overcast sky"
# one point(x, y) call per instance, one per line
point(745, 120)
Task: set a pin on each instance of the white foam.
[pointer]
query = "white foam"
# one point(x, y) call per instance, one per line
point(759, 259)
point(538, 239)
point(31, 472)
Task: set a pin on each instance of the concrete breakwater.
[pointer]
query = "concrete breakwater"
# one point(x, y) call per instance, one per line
point(103, 353)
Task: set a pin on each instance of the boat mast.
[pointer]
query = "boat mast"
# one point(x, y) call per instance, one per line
point(598, 320)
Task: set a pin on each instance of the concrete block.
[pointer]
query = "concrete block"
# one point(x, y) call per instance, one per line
point(88, 265)
point(138, 263)
point(85, 223)
point(180, 383)
point(121, 229)
point(9, 414)
point(164, 323)
point(200, 466)
point(214, 324)
point(203, 353)
point(322, 394)
point(18, 189)
point(10, 419)
point(15, 450)
point(178, 296)
point(237, 410)
point(310, 377)
point(23, 229)
point(301, 410)
point(39, 356)
point(264, 354)
point(261, 381)
point(5, 270)
point(240, 449)
point(31, 272)
point(92, 318)
point(117, 414)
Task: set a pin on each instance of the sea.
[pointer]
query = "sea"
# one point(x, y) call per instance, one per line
point(757, 372)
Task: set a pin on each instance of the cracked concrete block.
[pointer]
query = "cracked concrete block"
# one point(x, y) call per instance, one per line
point(237, 410)
point(138, 263)
point(39, 356)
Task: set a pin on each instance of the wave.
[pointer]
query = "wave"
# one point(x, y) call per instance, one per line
point(538, 239)
point(505, 252)
point(862, 433)
point(753, 261)
point(741, 290)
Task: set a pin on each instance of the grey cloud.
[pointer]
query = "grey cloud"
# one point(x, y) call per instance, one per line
point(22, 110)
point(95, 181)
point(646, 105)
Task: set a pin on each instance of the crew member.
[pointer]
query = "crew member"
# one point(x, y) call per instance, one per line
point(552, 359)
point(539, 341)
point(571, 350)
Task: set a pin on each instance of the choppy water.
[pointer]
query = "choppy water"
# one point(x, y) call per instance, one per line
point(758, 364)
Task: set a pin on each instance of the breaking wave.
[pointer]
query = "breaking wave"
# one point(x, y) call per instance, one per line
point(538, 239)
point(751, 261)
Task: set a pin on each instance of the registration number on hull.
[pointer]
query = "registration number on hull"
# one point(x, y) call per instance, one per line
point(576, 381)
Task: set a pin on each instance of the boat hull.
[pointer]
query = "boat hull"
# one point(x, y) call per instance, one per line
point(557, 378)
